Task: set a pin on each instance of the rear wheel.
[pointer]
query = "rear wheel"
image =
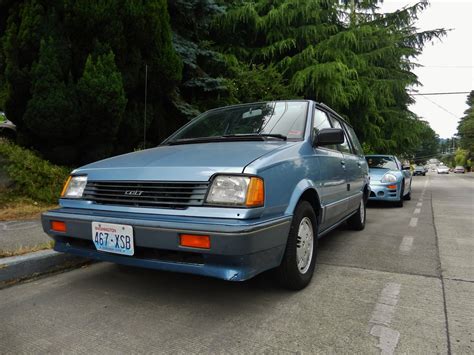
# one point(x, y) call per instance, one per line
point(357, 221)
point(297, 267)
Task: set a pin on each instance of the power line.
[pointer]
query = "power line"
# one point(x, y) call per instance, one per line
point(441, 107)
point(447, 66)
point(440, 93)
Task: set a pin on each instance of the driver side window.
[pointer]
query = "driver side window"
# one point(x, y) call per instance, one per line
point(344, 147)
point(321, 121)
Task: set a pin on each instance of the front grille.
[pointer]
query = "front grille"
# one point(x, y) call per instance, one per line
point(146, 194)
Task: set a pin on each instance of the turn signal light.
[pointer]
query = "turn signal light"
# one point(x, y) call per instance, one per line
point(392, 186)
point(195, 241)
point(58, 226)
point(66, 184)
point(255, 193)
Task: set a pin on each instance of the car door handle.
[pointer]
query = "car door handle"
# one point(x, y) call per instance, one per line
point(343, 162)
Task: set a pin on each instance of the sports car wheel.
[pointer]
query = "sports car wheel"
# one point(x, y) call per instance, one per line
point(399, 203)
point(297, 267)
point(407, 197)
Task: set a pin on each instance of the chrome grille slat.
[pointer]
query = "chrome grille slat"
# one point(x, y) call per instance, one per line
point(151, 194)
point(150, 186)
point(93, 190)
point(143, 196)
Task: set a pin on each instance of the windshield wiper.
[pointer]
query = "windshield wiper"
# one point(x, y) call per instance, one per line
point(256, 135)
point(196, 140)
point(227, 137)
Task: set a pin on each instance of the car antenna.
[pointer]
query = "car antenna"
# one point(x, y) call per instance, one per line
point(144, 115)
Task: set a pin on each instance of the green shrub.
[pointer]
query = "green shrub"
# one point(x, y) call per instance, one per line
point(33, 177)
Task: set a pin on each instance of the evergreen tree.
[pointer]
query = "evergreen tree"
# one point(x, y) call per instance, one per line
point(51, 118)
point(102, 105)
point(138, 33)
point(466, 126)
point(353, 58)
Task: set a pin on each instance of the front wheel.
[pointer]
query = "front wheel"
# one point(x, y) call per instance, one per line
point(357, 221)
point(399, 203)
point(297, 267)
point(407, 197)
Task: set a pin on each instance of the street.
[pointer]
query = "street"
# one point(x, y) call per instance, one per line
point(403, 285)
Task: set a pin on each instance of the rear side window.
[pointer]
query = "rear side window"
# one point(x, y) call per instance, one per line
point(355, 142)
point(344, 147)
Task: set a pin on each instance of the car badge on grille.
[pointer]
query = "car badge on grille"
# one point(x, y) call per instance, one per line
point(133, 193)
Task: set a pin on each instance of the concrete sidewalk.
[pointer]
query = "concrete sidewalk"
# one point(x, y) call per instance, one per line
point(28, 235)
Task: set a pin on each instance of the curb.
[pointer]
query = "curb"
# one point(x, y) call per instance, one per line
point(16, 268)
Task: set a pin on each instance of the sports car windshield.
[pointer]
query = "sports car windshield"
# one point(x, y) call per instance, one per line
point(280, 120)
point(381, 163)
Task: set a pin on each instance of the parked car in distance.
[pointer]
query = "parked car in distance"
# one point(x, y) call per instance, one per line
point(419, 170)
point(459, 169)
point(442, 169)
point(237, 191)
point(389, 179)
point(7, 128)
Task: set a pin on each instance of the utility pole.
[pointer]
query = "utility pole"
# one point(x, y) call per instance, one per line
point(144, 116)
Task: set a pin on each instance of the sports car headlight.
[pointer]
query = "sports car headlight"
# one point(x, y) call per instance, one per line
point(389, 178)
point(233, 190)
point(74, 187)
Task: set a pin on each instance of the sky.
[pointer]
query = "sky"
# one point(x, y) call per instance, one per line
point(448, 65)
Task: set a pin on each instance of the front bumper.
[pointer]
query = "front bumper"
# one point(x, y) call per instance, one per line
point(382, 192)
point(240, 249)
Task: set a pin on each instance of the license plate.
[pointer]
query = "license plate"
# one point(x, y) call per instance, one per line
point(113, 238)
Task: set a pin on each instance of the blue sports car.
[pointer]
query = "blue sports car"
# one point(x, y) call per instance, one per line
point(389, 179)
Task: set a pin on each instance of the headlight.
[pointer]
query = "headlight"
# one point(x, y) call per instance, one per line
point(74, 187)
point(236, 191)
point(389, 178)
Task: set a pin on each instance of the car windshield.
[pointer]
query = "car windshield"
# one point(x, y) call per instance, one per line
point(381, 163)
point(279, 120)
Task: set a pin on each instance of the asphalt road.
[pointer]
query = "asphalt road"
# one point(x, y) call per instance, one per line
point(404, 285)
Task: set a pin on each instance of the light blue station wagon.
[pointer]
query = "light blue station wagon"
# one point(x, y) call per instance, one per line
point(237, 191)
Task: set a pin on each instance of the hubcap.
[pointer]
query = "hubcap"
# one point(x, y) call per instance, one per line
point(362, 211)
point(304, 245)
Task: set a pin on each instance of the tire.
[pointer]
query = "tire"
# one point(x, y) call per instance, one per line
point(357, 221)
point(399, 203)
point(289, 274)
point(407, 197)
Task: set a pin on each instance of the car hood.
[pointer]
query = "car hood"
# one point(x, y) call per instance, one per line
point(186, 162)
point(377, 173)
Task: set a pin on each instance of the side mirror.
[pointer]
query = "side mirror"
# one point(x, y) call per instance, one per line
point(406, 167)
point(329, 136)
